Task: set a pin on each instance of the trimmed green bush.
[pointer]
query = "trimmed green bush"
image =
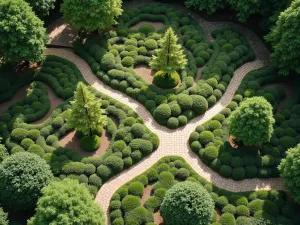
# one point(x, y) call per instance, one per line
point(146, 29)
point(195, 203)
point(90, 143)
point(163, 80)
point(136, 188)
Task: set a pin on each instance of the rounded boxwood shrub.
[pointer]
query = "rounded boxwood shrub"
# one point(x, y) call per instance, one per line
point(162, 112)
point(195, 204)
point(206, 137)
point(152, 203)
point(90, 143)
point(182, 174)
point(255, 206)
point(136, 188)
point(150, 44)
point(136, 216)
point(227, 219)
point(242, 210)
point(127, 61)
point(238, 173)
point(225, 171)
point(199, 105)
point(210, 153)
point(163, 80)
point(138, 130)
point(185, 101)
point(185, 21)
point(287, 142)
point(146, 29)
point(173, 123)
point(114, 162)
point(26, 143)
point(19, 134)
point(22, 176)
point(36, 149)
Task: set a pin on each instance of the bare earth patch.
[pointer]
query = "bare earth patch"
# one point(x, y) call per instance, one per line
point(73, 142)
point(54, 102)
point(147, 193)
point(158, 219)
point(61, 33)
point(156, 25)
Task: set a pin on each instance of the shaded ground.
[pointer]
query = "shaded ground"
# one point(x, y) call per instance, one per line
point(158, 219)
point(18, 96)
point(156, 25)
point(61, 33)
point(72, 142)
point(147, 193)
point(54, 102)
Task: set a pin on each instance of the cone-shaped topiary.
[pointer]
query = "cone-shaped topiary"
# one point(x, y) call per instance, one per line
point(170, 55)
point(187, 203)
point(252, 122)
point(86, 114)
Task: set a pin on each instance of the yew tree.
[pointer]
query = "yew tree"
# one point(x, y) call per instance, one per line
point(91, 15)
point(252, 122)
point(170, 55)
point(86, 114)
point(210, 6)
point(22, 35)
point(67, 202)
point(285, 39)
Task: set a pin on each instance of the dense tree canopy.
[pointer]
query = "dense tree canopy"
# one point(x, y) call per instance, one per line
point(289, 169)
point(67, 203)
point(86, 114)
point(170, 54)
point(41, 7)
point(3, 217)
point(187, 203)
point(22, 35)
point(93, 14)
point(22, 176)
point(285, 39)
point(210, 6)
point(252, 122)
point(3, 151)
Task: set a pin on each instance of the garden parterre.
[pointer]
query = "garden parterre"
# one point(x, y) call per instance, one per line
point(211, 141)
point(131, 140)
point(113, 58)
point(126, 206)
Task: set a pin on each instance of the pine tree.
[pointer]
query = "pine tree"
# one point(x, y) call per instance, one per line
point(86, 114)
point(170, 56)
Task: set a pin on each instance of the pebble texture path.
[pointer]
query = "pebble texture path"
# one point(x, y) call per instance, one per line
point(176, 142)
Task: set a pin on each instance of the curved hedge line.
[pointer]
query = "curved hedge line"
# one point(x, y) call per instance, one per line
point(113, 58)
point(130, 140)
point(210, 140)
point(233, 208)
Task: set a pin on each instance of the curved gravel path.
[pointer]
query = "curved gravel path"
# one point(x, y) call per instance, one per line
point(176, 142)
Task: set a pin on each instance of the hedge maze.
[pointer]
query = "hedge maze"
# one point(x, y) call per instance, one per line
point(113, 58)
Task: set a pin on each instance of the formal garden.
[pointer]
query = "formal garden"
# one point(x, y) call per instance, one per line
point(144, 113)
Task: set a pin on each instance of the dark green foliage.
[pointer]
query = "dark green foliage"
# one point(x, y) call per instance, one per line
point(146, 29)
point(136, 188)
point(196, 204)
point(162, 80)
point(22, 177)
point(90, 143)
point(130, 202)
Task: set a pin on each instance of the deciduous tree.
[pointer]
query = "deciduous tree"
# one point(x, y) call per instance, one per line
point(67, 202)
point(86, 114)
point(289, 170)
point(210, 6)
point(22, 35)
point(252, 122)
point(93, 14)
point(285, 39)
point(41, 7)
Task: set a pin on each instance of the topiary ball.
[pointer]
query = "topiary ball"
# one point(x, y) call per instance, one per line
point(146, 29)
point(187, 203)
point(163, 80)
point(90, 143)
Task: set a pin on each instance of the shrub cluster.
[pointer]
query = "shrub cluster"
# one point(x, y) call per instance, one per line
point(196, 201)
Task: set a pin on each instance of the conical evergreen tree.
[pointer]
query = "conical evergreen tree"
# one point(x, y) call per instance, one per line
point(170, 56)
point(86, 114)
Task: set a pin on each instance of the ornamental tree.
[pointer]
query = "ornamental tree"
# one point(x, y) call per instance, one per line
point(210, 6)
point(67, 202)
point(187, 203)
point(41, 7)
point(289, 170)
point(170, 56)
point(91, 15)
point(86, 114)
point(285, 39)
point(3, 151)
point(252, 122)
point(22, 176)
point(22, 35)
